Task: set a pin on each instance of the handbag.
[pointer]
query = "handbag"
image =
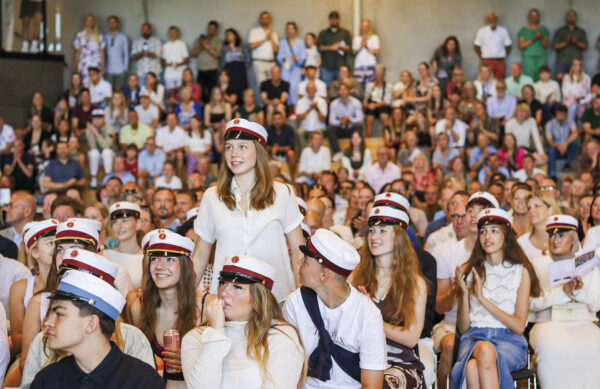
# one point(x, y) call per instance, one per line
point(570, 312)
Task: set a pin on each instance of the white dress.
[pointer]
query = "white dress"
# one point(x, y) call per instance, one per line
point(567, 352)
point(530, 250)
point(130, 262)
point(217, 358)
point(260, 233)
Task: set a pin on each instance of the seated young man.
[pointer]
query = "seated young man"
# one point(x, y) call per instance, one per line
point(81, 321)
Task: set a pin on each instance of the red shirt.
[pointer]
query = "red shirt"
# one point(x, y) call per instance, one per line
point(131, 167)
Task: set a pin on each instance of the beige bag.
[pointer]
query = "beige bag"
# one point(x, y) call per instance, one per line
point(570, 312)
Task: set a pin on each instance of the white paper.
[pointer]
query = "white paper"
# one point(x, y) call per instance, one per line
point(585, 263)
point(563, 271)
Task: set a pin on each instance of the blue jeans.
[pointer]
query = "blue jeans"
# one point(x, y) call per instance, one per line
point(328, 76)
point(554, 154)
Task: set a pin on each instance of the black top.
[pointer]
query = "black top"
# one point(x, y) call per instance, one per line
point(274, 92)
point(428, 268)
point(286, 138)
point(117, 370)
point(8, 248)
point(22, 182)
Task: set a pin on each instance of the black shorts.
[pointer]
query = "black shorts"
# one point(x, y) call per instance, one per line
point(379, 110)
point(30, 8)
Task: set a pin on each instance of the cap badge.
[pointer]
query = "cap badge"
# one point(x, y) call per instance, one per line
point(117, 205)
point(74, 253)
point(487, 211)
point(70, 224)
point(92, 302)
point(54, 221)
point(376, 211)
point(555, 218)
point(236, 121)
point(235, 259)
point(388, 195)
point(162, 236)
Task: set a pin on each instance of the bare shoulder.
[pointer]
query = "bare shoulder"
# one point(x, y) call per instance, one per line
point(18, 287)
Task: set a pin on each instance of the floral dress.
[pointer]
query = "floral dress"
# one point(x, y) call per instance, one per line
point(91, 54)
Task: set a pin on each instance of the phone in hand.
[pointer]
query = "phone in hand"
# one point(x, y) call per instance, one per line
point(145, 46)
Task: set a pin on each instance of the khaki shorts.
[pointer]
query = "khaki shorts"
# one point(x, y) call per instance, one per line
point(440, 330)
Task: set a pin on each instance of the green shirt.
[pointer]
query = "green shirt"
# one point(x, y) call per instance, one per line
point(535, 48)
point(590, 117)
point(514, 88)
point(205, 60)
point(332, 60)
point(570, 52)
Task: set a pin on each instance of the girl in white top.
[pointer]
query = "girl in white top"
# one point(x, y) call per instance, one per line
point(357, 158)
point(313, 58)
point(524, 128)
point(155, 90)
point(567, 345)
point(245, 340)
point(197, 143)
point(547, 90)
point(248, 213)
point(366, 50)
point(117, 113)
point(577, 90)
point(485, 83)
point(540, 205)
point(493, 304)
point(125, 221)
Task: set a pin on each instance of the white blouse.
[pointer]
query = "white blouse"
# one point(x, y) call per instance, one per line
point(364, 58)
point(156, 97)
point(524, 132)
point(528, 248)
point(217, 358)
point(577, 90)
point(199, 144)
point(260, 233)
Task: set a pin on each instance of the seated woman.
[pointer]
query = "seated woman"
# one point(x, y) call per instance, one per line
point(389, 273)
point(187, 108)
point(493, 305)
point(357, 158)
point(245, 340)
point(540, 205)
point(197, 143)
point(565, 339)
point(524, 128)
point(168, 288)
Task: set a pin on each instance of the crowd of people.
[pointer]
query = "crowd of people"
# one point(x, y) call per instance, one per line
point(330, 229)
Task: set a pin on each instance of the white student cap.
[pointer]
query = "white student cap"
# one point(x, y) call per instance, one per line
point(388, 215)
point(38, 230)
point(247, 269)
point(97, 293)
point(124, 209)
point(192, 214)
point(494, 216)
point(392, 199)
point(245, 129)
point(483, 198)
point(306, 231)
point(557, 223)
point(78, 230)
point(98, 112)
point(332, 251)
point(302, 205)
point(146, 238)
point(86, 261)
point(164, 244)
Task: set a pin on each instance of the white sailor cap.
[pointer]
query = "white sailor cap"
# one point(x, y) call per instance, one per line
point(192, 213)
point(388, 215)
point(94, 223)
point(561, 222)
point(98, 112)
point(306, 232)
point(247, 269)
point(146, 238)
point(36, 230)
point(164, 244)
point(97, 293)
point(332, 251)
point(124, 209)
point(78, 230)
point(89, 262)
point(483, 198)
point(245, 129)
point(392, 199)
point(302, 205)
point(494, 216)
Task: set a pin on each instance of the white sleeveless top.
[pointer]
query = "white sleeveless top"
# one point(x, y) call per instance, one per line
point(130, 262)
point(28, 290)
point(44, 305)
point(500, 287)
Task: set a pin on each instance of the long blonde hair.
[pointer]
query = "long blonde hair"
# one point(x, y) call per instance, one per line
point(400, 301)
point(580, 75)
point(94, 31)
point(370, 31)
point(263, 193)
point(549, 201)
point(122, 107)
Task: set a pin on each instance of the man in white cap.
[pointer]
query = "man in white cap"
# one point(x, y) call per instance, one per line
point(448, 258)
point(81, 320)
point(342, 330)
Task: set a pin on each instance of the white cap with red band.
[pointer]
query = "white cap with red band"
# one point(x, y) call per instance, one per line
point(192, 213)
point(94, 223)
point(123, 207)
point(166, 243)
point(150, 234)
point(494, 216)
point(250, 268)
point(388, 214)
point(247, 127)
point(484, 198)
point(79, 230)
point(561, 222)
point(36, 230)
point(332, 251)
point(302, 205)
point(90, 262)
point(306, 230)
point(392, 199)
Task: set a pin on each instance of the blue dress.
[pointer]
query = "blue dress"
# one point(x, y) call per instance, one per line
point(291, 71)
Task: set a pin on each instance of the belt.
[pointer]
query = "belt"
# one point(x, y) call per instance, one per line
point(263, 60)
point(495, 59)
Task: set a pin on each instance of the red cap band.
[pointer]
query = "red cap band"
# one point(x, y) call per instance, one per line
point(325, 262)
point(235, 269)
point(249, 132)
point(94, 270)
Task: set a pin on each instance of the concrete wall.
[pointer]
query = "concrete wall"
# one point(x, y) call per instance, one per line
point(410, 30)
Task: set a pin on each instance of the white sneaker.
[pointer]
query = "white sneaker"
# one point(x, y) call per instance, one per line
point(93, 183)
point(338, 156)
point(34, 47)
point(25, 48)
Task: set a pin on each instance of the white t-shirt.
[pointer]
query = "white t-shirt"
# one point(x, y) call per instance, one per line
point(521, 174)
point(11, 271)
point(147, 116)
point(363, 56)
point(264, 51)
point(100, 92)
point(6, 136)
point(199, 144)
point(592, 239)
point(319, 84)
point(311, 122)
point(175, 183)
point(168, 140)
point(459, 127)
point(312, 162)
point(492, 42)
point(449, 257)
point(355, 325)
point(260, 233)
point(174, 52)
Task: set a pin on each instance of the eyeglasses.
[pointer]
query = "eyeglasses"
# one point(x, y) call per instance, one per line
point(12, 205)
point(458, 217)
